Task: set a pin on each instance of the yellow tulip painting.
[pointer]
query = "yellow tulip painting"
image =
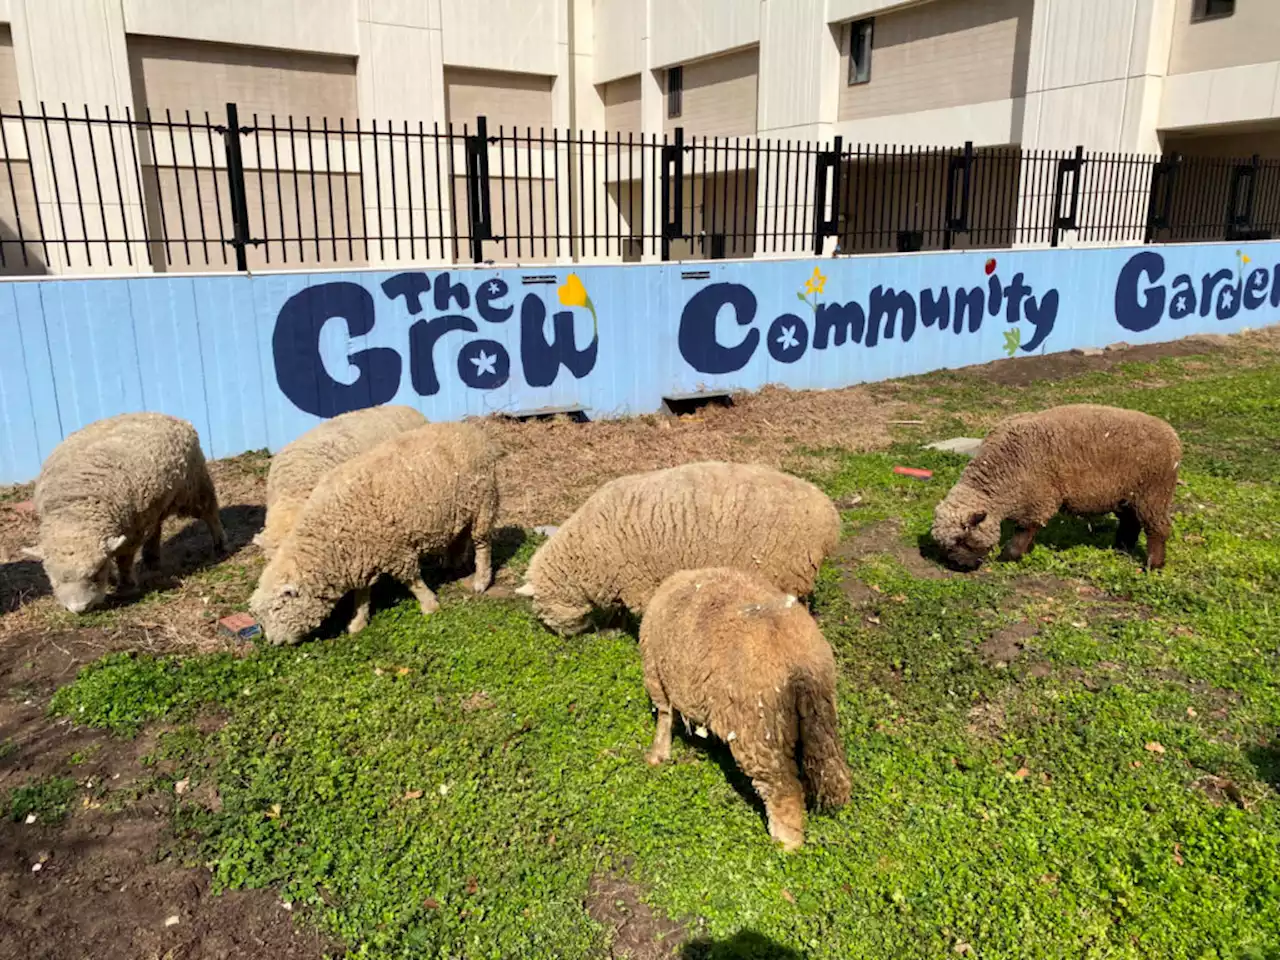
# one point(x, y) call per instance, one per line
point(812, 288)
point(574, 294)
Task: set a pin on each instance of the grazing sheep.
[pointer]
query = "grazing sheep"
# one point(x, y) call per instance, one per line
point(298, 467)
point(1081, 458)
point(738, 657)
point(106, 490)
point(636, 531)
point(429, 491)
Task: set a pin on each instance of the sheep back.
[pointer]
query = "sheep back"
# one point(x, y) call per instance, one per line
point(635, 531)
point(299, 465)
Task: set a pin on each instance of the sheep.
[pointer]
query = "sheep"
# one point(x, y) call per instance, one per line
point(1082, 458)
point(635, 531)
point(428, 491)
point(298, 467)
point(735, 656)
point(106, 490)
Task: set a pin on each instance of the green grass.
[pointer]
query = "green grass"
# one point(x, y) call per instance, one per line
point(1056, 806)
point(47, 800)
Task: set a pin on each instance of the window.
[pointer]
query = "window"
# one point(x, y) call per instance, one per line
point(675, 91)
point(1212, 9)
point(860, 33)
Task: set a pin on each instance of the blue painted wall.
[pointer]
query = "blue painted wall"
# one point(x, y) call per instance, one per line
point(255, 360)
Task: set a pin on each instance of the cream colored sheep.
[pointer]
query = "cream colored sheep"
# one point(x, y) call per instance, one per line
point(1082, 458)
point(738, 658)
point(428, 491)
point(636, 531)
point(299, 465)
point(106, 490)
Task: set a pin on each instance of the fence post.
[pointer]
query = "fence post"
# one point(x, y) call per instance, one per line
point(672, 192)
point(958, 222)
point(826, 170)
point(235, 186)
point(478, 207)
point(1067, 222)
point(1164, 179)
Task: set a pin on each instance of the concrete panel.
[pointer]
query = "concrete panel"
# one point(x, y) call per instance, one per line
point(511, 35)
point(689, 29)
point(1250, 35)
point(619, 47)
point(320, 26)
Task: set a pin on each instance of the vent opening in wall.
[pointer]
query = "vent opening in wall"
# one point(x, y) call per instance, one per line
point(675, 91)
point(1211, 9)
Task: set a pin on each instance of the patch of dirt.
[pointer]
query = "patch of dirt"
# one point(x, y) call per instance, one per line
point(552, 466)
point(638, 933)
point(987, 721)
point(1006, 645)
point(107, 885)
point(884, 538)
point(1024, 371)
point(1218, 790)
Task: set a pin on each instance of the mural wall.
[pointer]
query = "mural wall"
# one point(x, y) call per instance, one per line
point(255, 360)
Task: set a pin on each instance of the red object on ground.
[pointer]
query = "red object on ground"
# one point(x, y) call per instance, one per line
point(914, 472)
point(241, 626)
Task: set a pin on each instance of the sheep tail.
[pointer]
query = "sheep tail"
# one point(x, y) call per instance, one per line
point(825, 769)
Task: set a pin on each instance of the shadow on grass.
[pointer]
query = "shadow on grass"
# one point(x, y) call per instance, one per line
point(1266, 762)
point(744, 945)
point(719, 753)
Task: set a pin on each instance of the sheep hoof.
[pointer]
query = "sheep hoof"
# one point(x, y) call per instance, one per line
point(480, 585)
point(655, 759)
point(358, 624)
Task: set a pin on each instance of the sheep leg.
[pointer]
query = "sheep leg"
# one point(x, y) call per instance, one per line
point(484, 565)
point(151, 549)
point(783, 798)
point(124, 565)
point(360, 619)
point(660, 751)
point(426, 598)
point(208, 512)
point(1020, 543)
point(1155, 549)
point(1127, 534)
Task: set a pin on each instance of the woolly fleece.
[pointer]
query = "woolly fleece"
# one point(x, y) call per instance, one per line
point(1082, 458)
point(106, 490)
point(430, 491)
point(747, 662)
point(636, 531)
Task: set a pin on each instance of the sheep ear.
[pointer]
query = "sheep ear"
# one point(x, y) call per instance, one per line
point(35, 553)
point(977, 518)
point(526, 590)
point(112, 544)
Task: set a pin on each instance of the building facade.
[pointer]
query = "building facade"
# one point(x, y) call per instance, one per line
point(1200, 77)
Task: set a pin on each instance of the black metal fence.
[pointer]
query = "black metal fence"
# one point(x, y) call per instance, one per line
point(232, 192)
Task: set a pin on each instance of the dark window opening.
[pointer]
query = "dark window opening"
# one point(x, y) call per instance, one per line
point(675, 91)
point(860, 36)
point(1212, 9)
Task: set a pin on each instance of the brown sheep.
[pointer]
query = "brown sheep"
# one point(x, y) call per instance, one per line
point(1082, 458)
point(636, 531)
point(746, 661)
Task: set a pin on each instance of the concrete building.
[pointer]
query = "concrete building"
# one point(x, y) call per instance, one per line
point(1196, 76)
